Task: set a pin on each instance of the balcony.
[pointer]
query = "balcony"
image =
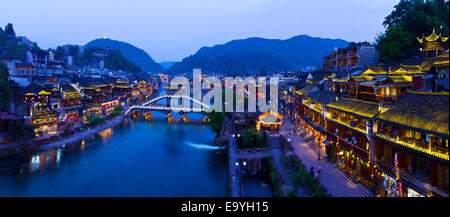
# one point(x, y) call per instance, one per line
point(417, 145)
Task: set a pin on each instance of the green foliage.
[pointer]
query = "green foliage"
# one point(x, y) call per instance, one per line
point(252, 138)
point(331, 152)
point(95, 121)
point(72, 50)
point(216, 120)
point(130, 52)
point(396, 44)
point(291, 193)
point(304, 179)
point(117, 110)
point(277, 190)
point(9, 30)
point(20, 131)
point(114, 60)
point(420, 17)
point(9, 45)
point(411, 19)
point(5, 91)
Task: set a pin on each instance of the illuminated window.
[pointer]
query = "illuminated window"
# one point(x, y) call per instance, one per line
point(417, 135)
point(409, 134)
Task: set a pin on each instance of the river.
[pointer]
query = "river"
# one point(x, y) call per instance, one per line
point(139, 158)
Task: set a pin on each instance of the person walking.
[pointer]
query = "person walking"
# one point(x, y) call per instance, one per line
point(311, 171)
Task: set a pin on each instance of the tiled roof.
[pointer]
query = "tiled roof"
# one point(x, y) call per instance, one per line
point(357, 107)
point(67, 88)
point(421, 111)
point(305, 90)
point(322, 96)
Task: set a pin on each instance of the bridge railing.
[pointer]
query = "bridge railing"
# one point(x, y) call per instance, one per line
point(253, 150)
point(147, 105)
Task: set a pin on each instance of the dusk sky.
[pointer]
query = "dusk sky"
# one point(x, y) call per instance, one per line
point(170, 30)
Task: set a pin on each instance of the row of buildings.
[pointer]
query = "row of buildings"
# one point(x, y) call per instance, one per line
point(385, 126)
point(51, 104)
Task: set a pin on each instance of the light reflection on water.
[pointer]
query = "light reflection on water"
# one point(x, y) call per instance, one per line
point(142, 158)
point(138, 158)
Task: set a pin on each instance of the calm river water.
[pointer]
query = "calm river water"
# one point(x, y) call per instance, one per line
point(142, 158)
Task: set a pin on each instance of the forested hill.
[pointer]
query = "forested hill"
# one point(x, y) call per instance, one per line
point(132, 53)
point(254, 54)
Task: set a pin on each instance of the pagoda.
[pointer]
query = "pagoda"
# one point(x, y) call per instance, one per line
point(433, 45)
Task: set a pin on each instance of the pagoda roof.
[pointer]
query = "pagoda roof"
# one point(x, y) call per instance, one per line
point(270, 116)
point(398, 70)
point(43, 92)
point(432, 38)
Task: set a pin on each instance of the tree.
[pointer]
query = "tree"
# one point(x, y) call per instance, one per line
point(216, 120)
point(20, 131)
point(396, 44)
point(60, 52)
point(9, 30)
point(420, 17)
point(408, 20)
point(73, 50)
point(5, 91)
point(116, 61)
point(252, 138)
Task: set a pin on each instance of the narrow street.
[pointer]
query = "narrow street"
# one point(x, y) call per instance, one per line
point(336, 182)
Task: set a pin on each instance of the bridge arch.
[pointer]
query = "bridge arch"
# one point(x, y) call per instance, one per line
point(149, 105)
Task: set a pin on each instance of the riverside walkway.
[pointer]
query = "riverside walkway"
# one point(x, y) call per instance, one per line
point(335, 181)
point(83, 135)
point(234, 173)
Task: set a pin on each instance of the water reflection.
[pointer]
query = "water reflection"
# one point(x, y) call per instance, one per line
point(40, 161)
point(140, 158)
point(106, 134)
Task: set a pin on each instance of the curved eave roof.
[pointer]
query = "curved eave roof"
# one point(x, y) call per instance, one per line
point(432, 38)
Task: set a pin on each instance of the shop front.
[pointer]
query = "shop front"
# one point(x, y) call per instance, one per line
point(108, 107)
point(45, 123)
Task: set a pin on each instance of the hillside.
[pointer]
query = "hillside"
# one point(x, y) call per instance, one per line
point(252, 54)
point(132, 53)
point(167, 64)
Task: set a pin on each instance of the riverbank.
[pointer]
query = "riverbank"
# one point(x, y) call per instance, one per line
point(53, 141)
point(83, 135)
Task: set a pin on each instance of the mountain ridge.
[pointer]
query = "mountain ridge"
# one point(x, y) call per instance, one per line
point(253, 53)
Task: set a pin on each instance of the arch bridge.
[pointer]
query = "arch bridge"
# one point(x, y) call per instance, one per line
point(151, 106)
